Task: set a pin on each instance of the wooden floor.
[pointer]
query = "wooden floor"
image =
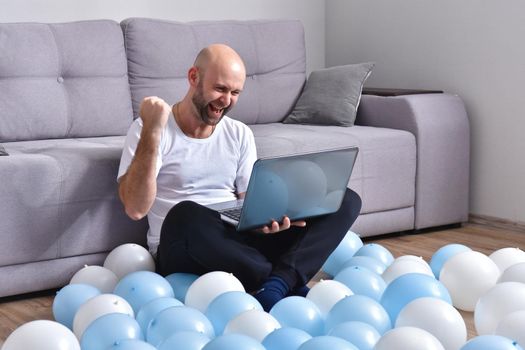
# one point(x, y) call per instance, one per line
point(16, 311)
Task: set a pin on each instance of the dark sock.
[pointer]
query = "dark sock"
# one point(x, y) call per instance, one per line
point(273, 290)
point(301, 291)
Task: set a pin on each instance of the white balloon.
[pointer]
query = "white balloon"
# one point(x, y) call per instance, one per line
point(253, 323)
point(512, 326)
point(41, 335)
point(497, 303)
point(210, 285)
point(467, 276)
point(326, 294)
point(437, 317)
point(97, 276)
point(507, 257)
point(98, 306)
point(514, 273)
point(408, 338)
point(404, 266)
point(414, 258)
point(128, 258)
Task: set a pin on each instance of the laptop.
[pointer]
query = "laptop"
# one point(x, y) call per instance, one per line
point(299, 186)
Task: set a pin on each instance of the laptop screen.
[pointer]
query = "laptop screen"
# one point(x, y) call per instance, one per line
point(298, 186)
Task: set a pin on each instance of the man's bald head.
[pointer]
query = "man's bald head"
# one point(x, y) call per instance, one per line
point(216, 80)
point(219, 56)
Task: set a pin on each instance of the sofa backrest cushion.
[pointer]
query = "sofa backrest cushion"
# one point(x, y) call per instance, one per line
point(63, 80)
point(161, 52)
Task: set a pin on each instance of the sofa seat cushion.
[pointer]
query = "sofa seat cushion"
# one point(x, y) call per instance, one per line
point(385, 169)
point(61, 198)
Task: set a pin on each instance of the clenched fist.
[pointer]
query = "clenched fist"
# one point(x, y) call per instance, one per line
point(154, 113)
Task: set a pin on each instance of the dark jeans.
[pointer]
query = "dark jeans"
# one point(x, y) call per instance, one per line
point(195, 240)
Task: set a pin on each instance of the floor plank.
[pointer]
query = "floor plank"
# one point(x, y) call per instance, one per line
point(15, 311)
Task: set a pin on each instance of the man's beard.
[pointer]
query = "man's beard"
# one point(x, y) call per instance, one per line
point(202, 108)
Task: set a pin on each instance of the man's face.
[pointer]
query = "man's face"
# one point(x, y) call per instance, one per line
point(217, 92)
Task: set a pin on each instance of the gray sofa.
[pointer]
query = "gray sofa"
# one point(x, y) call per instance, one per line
point(68, 93)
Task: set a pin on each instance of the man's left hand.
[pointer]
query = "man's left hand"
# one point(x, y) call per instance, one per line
point(275, 227)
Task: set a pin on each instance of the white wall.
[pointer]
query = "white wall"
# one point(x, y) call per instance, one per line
point(470, 47)
point(312, 14)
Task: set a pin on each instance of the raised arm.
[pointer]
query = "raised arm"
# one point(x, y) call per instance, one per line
point(138, 187)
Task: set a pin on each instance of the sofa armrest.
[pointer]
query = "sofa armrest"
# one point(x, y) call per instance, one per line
point(441, 127)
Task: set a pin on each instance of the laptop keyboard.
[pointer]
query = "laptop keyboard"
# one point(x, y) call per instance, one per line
point(234, 213)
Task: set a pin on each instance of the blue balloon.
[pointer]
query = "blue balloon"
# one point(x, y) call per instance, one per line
point(350, 244)
point(361, 334)
point(491, 342)
point(184, 340)
point(327, 342)
point(151, 309)
point(69, 299)
point(141, 287)
point(444, 253)
point(408, 287)
point(227, 305)
point(233, 341)
point(299, 312)
point(358, 308)
point(180, 282)
point(108, 329)
point(362, 281)
point(131, 344)
point(367, 262)
point(176, 319)
point(376, 251)
point(285, 338)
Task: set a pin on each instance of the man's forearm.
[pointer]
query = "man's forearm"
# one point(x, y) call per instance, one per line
point(138, 187)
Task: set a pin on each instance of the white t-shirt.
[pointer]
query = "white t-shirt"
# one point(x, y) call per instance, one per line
point(206, 171)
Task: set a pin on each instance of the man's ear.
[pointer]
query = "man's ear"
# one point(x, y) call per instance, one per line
point(193, 76)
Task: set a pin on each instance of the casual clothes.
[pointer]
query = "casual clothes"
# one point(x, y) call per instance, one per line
point(194, 239)
point(206, 171)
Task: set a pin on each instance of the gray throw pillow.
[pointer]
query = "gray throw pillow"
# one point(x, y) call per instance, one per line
point(331, 96)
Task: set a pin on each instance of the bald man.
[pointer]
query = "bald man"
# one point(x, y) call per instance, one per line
point(178, 158)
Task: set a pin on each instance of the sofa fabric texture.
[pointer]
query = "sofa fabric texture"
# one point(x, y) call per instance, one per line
point(62, 80)
point(69, 92)
point(61, 200)
point(160, 53)
point(379, 149)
